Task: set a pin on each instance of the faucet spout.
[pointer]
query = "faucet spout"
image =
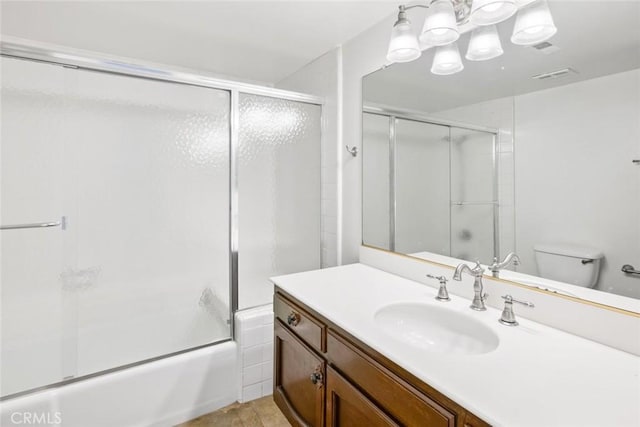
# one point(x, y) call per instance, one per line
point(462, 268)
point(497, 266)
point(476, 272)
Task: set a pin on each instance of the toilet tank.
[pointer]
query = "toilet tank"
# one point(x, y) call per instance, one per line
point(578, 265)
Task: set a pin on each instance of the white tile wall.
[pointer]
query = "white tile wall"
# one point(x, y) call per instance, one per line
point(254, 335)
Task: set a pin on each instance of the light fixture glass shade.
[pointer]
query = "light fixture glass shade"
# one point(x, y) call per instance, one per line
point(534, 24)
point(484, 44)
point(403, 46)
point(447, 60)
point(489, 12)
point(440, 27)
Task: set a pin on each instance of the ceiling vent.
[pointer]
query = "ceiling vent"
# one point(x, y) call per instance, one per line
point(555, 74)
point(545, 47)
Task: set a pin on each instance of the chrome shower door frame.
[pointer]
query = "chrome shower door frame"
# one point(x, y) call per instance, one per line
point(394, 115)
point(16, 48)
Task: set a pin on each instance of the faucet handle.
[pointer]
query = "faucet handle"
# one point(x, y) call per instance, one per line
point(443, 294)
point(478, 270)
point(508, 317)
point(441, 279)
point(509, 298)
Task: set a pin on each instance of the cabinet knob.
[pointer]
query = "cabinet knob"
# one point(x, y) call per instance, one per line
point(316, 377)
point(293, 318)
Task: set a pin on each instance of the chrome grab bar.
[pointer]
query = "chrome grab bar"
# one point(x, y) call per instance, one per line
point(61, 223)
point(628, 269)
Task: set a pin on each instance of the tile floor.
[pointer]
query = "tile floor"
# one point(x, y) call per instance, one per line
point(257, 413)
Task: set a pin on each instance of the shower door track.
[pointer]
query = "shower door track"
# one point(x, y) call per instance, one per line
point(417, 117)
point(110, 370)
point(13, 47)
point(16, 48)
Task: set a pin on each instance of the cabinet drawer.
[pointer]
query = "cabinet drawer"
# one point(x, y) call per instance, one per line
point(304, 325)
point(404, 403)
point(299, 377)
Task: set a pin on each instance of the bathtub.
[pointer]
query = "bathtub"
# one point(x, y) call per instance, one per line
point(160, 393)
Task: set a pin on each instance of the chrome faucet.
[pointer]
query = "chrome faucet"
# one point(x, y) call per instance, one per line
point(497, 266)
point(443, 294)
point(508, 317)
point(476, 272)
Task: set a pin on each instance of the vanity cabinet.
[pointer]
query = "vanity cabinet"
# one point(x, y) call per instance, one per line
point(346, 406)
point(325, 377)
point(298, 379)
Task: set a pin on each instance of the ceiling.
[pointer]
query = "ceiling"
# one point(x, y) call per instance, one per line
point(595, 38)
point(258, 41)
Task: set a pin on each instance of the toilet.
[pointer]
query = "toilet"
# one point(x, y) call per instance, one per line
point(577, 265)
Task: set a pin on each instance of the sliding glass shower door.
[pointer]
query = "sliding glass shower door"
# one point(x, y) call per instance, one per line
point(33, 113)
point(430, 186)
point(421, 187)
point(125, 204)
point(132, 175)
point(474, 195)
point(278, 193)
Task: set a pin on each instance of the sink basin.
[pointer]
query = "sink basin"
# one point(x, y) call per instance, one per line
point(436, 329)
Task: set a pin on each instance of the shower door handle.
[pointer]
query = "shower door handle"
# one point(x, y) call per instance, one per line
point(628, 269)
point(61, 223)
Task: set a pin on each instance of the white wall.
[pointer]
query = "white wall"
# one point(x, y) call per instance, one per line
point(360, 56)
point(584, 136)
point(573, 173)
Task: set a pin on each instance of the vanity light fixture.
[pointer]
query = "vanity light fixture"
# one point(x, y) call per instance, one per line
point(440, 26)
point(489, 12)
point(447, 60)
point(484, 44)
point(534, 24)
point(403, 46)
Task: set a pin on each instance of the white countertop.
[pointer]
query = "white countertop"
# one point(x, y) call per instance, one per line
point(538, 376)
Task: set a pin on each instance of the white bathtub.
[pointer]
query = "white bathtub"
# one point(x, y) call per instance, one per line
point(160, 393)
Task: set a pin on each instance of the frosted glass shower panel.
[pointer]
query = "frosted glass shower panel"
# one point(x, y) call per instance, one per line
point(35, 107)
point(422, 187)
point(279, 193)
point(472, 166)
point(472, 232)
point(473, 195)
point(149, 218)
point(375, 180)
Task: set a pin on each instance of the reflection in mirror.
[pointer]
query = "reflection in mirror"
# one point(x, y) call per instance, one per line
point(533, 152)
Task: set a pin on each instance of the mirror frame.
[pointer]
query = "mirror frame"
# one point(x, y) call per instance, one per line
point(449, 267)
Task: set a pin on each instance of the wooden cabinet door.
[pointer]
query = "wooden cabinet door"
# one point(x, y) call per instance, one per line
point(347, 407)
point(299, 380)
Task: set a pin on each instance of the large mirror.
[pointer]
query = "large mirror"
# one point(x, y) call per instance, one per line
point(535, 152)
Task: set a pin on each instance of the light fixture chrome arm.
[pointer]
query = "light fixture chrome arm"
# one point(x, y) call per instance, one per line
point(477, 271)
point(497, 266)
point(404, 7)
